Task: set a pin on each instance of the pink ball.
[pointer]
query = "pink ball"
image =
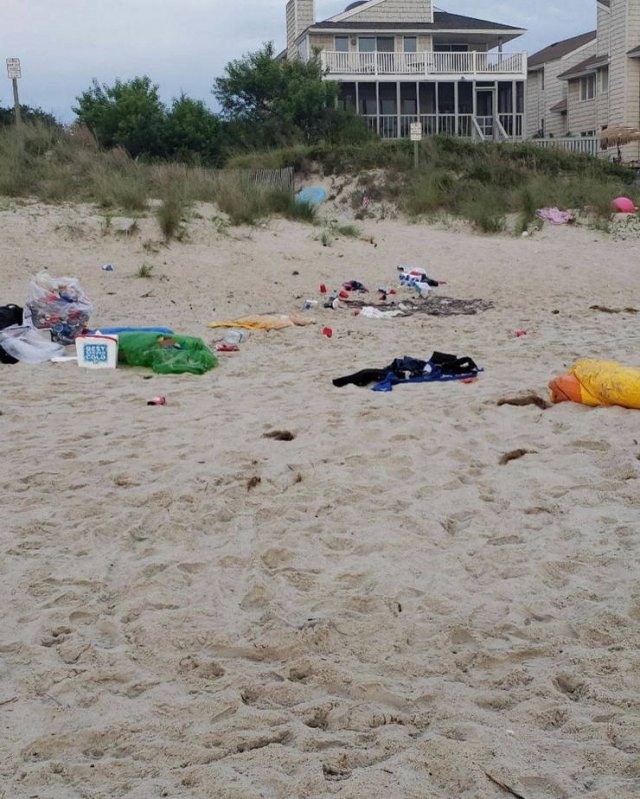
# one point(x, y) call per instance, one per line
point(624, 205)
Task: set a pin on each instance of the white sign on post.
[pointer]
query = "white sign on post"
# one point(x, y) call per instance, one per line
point(415, 132)
point(14, 71)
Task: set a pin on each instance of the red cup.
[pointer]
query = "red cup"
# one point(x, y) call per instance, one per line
point(344, 295)
point(323, 288)
point(327, 331)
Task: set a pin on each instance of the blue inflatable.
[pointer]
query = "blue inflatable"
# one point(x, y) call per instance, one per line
point(314, 195)
point(113, 331)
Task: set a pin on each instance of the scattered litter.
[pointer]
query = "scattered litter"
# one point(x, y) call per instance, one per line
point(280, 435)
point(623, 205)
point(554, 215)
point(432, 305)
point(64, 358)
point(323, 288)
point(24, 343)
point(327, 331)
point(313, 195)
point(265, 322)
point(441, 366)
point(519, 333)
point(598, 383)
point(355, 285)
point(369, 312)
point(309, 304)
point(221, 346)
point(60, 305)
point(159, 400)
point(527, 399)
point(415, 276)
point(514, 455)
point(234, 337)
point(108, 268)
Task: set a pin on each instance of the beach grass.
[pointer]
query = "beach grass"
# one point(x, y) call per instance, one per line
point(483, 183)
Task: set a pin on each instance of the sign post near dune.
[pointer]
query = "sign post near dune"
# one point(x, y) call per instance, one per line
point(415, 134)
point(14, 73)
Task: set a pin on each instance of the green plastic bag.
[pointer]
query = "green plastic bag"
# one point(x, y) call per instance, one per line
point(166, 355)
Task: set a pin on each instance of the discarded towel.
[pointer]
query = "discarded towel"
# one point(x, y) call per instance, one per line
point(555, 216)
point(265, 322)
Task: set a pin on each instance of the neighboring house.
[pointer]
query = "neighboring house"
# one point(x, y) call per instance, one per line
point(546, 92)
point(603, 86)
point(403, 61)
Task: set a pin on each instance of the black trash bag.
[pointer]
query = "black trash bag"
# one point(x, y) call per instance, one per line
point(9, 315)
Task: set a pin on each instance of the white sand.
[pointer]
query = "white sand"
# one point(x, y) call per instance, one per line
point(389, 612)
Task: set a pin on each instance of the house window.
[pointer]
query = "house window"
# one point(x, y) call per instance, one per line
point(588, 87)
point(342, 44)
point(450, 48)
point(603, 80)
point(369, 44)
point(410, 44)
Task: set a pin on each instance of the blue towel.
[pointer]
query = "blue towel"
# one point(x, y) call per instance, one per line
point(436, 376)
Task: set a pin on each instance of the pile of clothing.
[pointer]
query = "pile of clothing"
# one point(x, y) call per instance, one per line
point(441, 366)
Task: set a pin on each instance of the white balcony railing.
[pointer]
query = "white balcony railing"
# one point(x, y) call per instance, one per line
point(584, 145)
point(424, 63)
point(396, 126)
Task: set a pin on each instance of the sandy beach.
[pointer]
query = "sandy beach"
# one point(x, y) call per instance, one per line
point(386, 610)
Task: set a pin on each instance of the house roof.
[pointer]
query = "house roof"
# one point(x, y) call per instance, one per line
point(585, 67)
point(442, 21)
point(606, 3)
point(560, 108)
point(635, 53)
point(560, 49)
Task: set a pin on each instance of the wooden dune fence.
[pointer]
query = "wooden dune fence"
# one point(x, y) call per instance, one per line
point(279, 179)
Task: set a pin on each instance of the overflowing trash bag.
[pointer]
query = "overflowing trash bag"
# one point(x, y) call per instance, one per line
point(166, 355)
point(59, 305)
point(28, 344)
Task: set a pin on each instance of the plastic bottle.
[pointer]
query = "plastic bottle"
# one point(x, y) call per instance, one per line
point(234, 337)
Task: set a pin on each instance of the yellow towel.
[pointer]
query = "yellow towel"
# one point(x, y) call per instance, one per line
point(264, 322)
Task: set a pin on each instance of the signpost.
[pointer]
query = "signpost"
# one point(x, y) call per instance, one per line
point(415, 134)
point(14, 73)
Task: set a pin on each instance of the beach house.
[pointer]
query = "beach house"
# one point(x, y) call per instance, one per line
point(547, 93)
point(600, 78)
point(404, 61)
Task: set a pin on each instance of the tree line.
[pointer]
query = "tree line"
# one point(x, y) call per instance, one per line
point(264, 102)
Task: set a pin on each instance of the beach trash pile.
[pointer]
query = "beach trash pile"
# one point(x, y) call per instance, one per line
point(59, 305)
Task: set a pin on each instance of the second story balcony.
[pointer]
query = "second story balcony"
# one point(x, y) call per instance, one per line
point(425, 64)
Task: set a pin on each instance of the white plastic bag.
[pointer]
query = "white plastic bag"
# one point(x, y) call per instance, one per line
point(28, 345)
point(60, 305)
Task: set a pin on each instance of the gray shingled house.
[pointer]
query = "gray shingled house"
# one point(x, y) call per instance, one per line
point(404, 61)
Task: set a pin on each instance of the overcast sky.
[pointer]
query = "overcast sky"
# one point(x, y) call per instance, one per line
point(184, 44)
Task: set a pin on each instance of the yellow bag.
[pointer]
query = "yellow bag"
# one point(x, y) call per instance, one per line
point(607, 383)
